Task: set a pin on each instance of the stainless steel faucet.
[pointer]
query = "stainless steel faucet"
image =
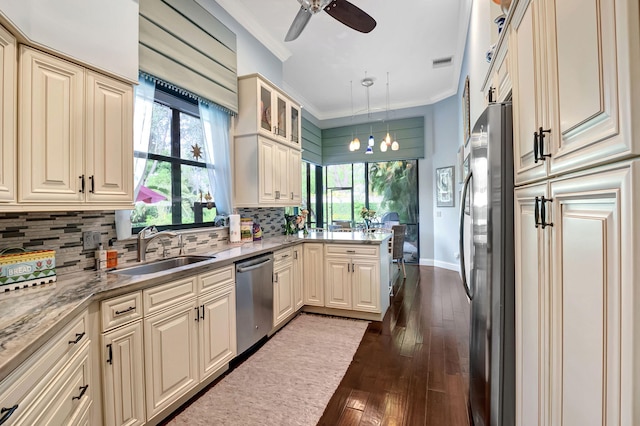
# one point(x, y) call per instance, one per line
point(150, 233)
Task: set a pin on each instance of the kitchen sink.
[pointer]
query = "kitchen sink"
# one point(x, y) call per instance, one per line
point(161, 265)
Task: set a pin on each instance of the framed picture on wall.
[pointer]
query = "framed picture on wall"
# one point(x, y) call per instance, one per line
point(444, 187)
point(466, 124)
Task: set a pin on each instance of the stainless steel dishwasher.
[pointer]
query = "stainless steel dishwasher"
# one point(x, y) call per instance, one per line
point(254, 300)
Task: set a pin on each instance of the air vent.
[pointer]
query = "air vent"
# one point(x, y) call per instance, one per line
point(442, 62)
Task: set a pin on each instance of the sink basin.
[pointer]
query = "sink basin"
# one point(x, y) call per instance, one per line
point(161, 265)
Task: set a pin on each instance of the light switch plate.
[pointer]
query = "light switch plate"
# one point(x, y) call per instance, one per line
point(90, 240)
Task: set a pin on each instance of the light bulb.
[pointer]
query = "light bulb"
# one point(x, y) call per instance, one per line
point(383, 146)
point(351, 148)
point(387, 139)
point(372, 141)
point(395, 146)
point(369, 150)
point(356, 144)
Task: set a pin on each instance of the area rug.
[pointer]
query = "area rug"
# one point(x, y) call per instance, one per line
point(289, 381)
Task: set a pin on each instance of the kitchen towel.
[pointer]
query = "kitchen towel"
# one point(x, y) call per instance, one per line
point(234, 228)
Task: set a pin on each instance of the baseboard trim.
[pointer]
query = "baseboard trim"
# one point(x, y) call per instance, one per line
point(440, 264)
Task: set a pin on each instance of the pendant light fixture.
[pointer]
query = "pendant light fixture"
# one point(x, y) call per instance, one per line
point(368, 82)
point(354, 144)
point(386, 142)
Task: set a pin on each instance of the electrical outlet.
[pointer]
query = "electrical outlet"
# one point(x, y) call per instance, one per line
point(90, 240)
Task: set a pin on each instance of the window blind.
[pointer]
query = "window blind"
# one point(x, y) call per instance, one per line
point(182, 43)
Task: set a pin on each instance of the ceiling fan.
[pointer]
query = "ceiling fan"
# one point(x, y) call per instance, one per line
point(341, 10)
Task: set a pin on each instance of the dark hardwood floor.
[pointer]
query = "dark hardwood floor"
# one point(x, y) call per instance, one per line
point(411, 368)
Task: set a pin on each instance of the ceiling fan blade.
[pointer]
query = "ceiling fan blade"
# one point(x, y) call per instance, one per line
point(298, 24)
point(351, 15)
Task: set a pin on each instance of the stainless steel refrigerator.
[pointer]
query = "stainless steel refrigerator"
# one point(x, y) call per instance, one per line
point(487, 269)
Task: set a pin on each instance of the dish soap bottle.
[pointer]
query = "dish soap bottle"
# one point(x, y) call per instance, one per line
point(101, 258)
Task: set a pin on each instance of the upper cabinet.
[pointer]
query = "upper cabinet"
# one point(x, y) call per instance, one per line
point(267, 155)
point(265, 109)
point(75, 133)
point(572, 64)
point(7, 116)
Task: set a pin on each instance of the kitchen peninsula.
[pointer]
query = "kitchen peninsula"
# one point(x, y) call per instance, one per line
point(68, 323)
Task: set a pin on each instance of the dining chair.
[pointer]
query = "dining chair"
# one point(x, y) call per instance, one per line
point(398, 246)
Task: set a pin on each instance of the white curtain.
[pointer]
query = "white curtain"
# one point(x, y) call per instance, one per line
point(142, 110)
point(215, 126)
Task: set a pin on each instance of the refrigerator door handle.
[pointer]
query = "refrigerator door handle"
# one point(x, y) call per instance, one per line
point(463, 272)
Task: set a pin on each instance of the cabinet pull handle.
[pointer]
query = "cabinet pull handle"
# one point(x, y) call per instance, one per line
point(543, 212)
point(81, 177)
point(277, 195)
point(542, 156)
point(129, 309)
point(83, 389)
point(348, 266)
point(93, 185)
point(202, 306)
point(536, 157)
point(295, 254)
point(275, 278)
point(536, 213)
point(7, 412)
point(197, 308)
point(491, 90)
point(292, 195)
point(351, 251)
point(109, 354)
point(353, 267)
point(78, 337)
point(284, 256)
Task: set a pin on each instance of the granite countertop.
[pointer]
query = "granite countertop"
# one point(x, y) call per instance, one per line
point(29, 317)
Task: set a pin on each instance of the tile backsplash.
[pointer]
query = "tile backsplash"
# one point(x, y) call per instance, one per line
point(62, 232)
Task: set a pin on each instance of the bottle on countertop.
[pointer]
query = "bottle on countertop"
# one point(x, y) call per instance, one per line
point(101, 257)
point(112, 256)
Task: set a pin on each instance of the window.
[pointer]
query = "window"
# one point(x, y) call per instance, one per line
point(175, 191)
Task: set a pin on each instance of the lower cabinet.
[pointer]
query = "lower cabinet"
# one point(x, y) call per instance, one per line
point(53, 385)
point(577, 352)
point(283, 286)
point(217, 330)
point(123, 375)
point(170, 354)
point(353, 283)
point(313, 274)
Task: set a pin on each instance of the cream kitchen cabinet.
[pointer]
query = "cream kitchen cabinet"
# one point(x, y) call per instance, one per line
point(283, 286)
point(123, 361)
point(313, 273)
point(576, 301)
point(217, 323)
point(75, 133)
point(7, 116)
point(264, 109)
point(573, 66)
point(266, 173)
point(298, 299)
point(352, 277)
point(53, 385)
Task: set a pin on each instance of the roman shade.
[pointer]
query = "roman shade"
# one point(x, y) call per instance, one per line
point(183, 44)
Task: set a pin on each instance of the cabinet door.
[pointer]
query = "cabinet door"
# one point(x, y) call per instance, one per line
point(282, 293)
point(171, 355)
point(281, 174)
point(594, 353)
point(365, 278)
point(217, 330)
point(123, 376)
point(7, 116)
point(266, 109)
point(109, 139)
point(281, 117)
point(532, 308)
point(297, 278)
point(590, 64)
point(50, 128)
point(525, 53)
point(502, 77)
point(295, 177)
point(295, 121)
point(338, 283)
point(267, 155)
point(313, 272)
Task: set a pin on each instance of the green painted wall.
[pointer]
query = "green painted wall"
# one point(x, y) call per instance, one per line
point(311, 142)
point(409, 133)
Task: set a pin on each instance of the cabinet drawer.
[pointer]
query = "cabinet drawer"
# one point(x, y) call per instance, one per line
point(351, 250)
point(26, 382)
point(216, 279)
point(67, 399)
point(167, 295)
point(120, 310)
point(282, 256)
